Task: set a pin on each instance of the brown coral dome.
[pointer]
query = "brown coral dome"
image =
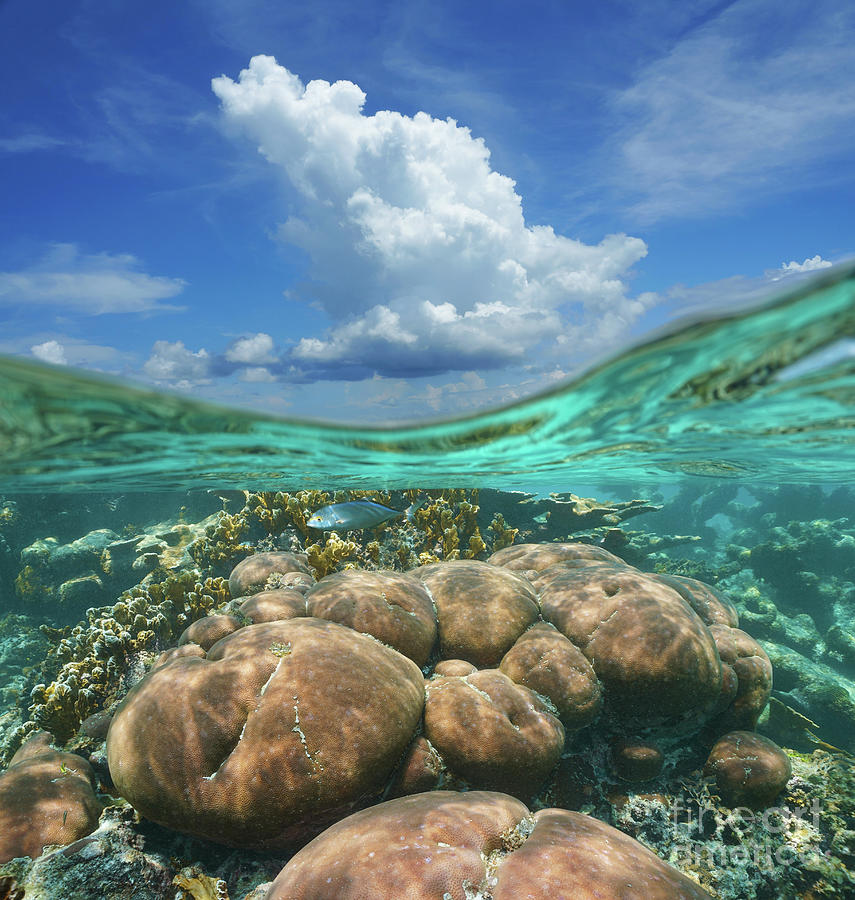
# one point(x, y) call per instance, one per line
point(250, 575)
point(278, 731)
point(275, 605)
point(714, 608)
point(749, 769)
point(537, 557)
point(393, 607)
point(492, 732)
point(744, 660)
point(545, 661)
point(454, 846)
point(454, 667)
point(653, 654)
point(208, 630)
point(482, 609)
point(636, 760)
point(47, 796)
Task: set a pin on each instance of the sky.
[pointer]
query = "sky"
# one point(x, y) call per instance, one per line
point(382, 212)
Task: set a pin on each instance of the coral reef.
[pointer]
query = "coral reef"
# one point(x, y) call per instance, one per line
point(557, 671)
point(617, 653)
point(69, 578)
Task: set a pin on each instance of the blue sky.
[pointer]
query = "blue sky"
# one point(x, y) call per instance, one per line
point(383, 211)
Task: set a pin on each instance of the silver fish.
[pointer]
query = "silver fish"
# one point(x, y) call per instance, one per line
point(357, 514)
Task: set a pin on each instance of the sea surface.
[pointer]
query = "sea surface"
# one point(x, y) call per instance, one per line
point(722, 449)
point(766, 395)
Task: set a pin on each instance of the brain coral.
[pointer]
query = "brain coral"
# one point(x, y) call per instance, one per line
point(478, 844)
point(393, 607)
point(654, 655)
point(482, 609)
point(280, 728)
point(46, 797)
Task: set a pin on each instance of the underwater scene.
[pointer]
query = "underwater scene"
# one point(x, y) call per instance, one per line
point(597, 644)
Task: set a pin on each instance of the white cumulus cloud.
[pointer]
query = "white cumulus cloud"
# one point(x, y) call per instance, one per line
point(809, 265)
point(255, 349)
point(50, 352)
point(90, 284)
point(171, 362)
point(257, 375)
point(420, 252)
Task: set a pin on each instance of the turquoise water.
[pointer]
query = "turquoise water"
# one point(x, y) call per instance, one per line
point(746, 396)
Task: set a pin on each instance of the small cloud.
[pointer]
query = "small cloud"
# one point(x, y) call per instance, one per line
point(794, 268)
point(256, 349)
point(91, 284)
point(28, 142)
point(257, 375)
point(173, 363)
point(50, 352)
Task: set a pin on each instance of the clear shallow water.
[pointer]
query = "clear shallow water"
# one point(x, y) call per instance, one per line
point(744, 396)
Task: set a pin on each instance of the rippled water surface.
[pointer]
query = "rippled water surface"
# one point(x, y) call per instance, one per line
point(762, 395)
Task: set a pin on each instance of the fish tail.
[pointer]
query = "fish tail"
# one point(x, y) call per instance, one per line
point(410, 511)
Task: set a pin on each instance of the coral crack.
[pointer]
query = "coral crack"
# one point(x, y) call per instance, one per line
point(261, 693)
point(299, 731)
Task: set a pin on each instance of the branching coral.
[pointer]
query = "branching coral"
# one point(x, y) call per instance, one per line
point(222, 545)
point(503, 534)
point(89, 660)
point(449, 521)
point(325, 558)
